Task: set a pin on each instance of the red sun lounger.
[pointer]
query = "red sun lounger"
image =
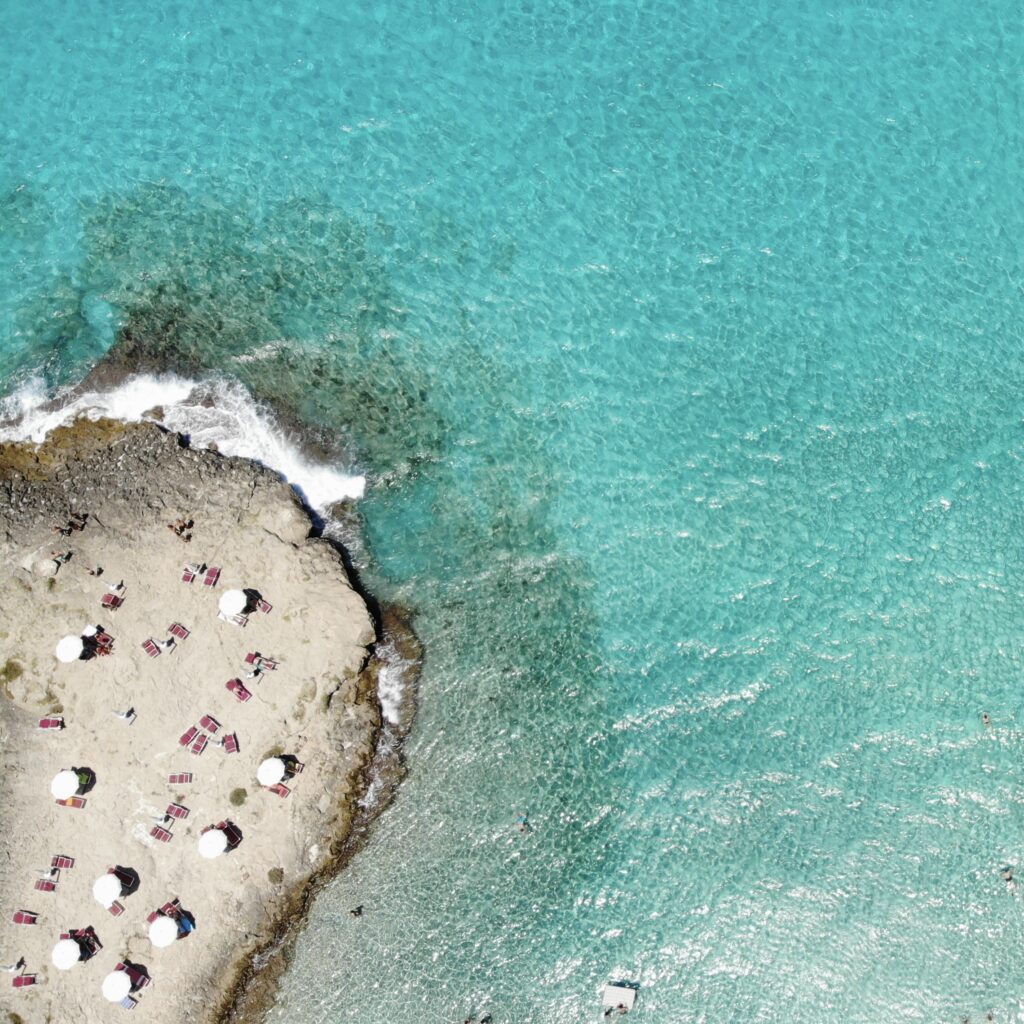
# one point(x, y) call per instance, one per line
point(189, 736)
point(24, 917)
point(264, 606)
point(116, 909)
point(279, 789)
point(210, 724)
point(160, 834)
point(179, 778)
point(176, 811)
point(46, 885)
point(199, 746)
point(230, 743)
point(104, 640)
point(23, 980)
point(187, 576)
point(238, 689)
point(176, 629)
point(168, 910)
point(61, 862)
point(211, 577)
point(77, 802)
point(111, 602)
point(151, 648)
point(55, 722)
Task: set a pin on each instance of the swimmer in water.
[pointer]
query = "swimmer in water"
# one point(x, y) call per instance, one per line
point(523, 823)
point(986, 720)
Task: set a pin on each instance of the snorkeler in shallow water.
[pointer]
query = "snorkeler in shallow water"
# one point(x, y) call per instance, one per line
point(523, 823)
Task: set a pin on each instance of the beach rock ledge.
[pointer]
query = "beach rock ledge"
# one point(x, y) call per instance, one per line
point(86, 553)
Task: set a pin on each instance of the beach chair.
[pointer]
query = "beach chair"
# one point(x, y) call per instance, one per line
point(210, 724)
point(211, 577)
point(179, 778)
point(128, 1003)
point(177, 630)
point(53, 722)
point(230, 829)
point(24, 917)
point(168, 910)
point(189, 736)
point(77, 802)
point(199, 745)
point(151, 648)
point(239, 620)
point(176, 811)
point(23, 980)
point(116, 909)
point(239, 690)
point(111, 602)
point(230, 743)
point(139, 978)
point(61, 862)
point(296, 767)
point(264, 606)
point(279, 789)
point(160, 834)
point(104, 640)
point(46, 885)
point(187, 576)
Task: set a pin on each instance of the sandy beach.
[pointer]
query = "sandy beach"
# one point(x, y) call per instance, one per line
point(317, 709)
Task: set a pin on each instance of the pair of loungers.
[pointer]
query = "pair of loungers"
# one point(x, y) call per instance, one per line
point(174, 812)
point(48, 883)
point(154, 649)
point(209, 578)
point(198, 736)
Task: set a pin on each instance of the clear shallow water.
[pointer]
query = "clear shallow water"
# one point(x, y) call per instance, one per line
point(681, 350)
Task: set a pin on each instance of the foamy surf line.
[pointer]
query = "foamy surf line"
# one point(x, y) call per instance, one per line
point(219, 413)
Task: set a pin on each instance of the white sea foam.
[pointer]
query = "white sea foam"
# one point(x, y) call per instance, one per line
point(219, 411)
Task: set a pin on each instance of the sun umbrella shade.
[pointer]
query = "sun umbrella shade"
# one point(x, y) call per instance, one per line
point(270, 771)
point(163, 931)
point(66, 954)
point(233, 602)
point(64, 784)
point(106, 889)
point(116, 985)
point(213, 843)
point(70, 649)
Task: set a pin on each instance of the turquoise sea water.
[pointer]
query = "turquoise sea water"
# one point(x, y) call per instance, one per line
point(681, 346)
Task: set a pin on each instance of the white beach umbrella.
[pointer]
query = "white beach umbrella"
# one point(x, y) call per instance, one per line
point(270, 771)
point(212, 844)
point(116, 985)
point(106, 888)
point(232, 602)
point(69, 649)
point(66, 954)
point(163, 932)
point(64, 784)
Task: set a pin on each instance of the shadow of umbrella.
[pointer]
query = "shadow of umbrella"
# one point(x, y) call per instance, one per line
point(86, 779)
point(129, 879)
